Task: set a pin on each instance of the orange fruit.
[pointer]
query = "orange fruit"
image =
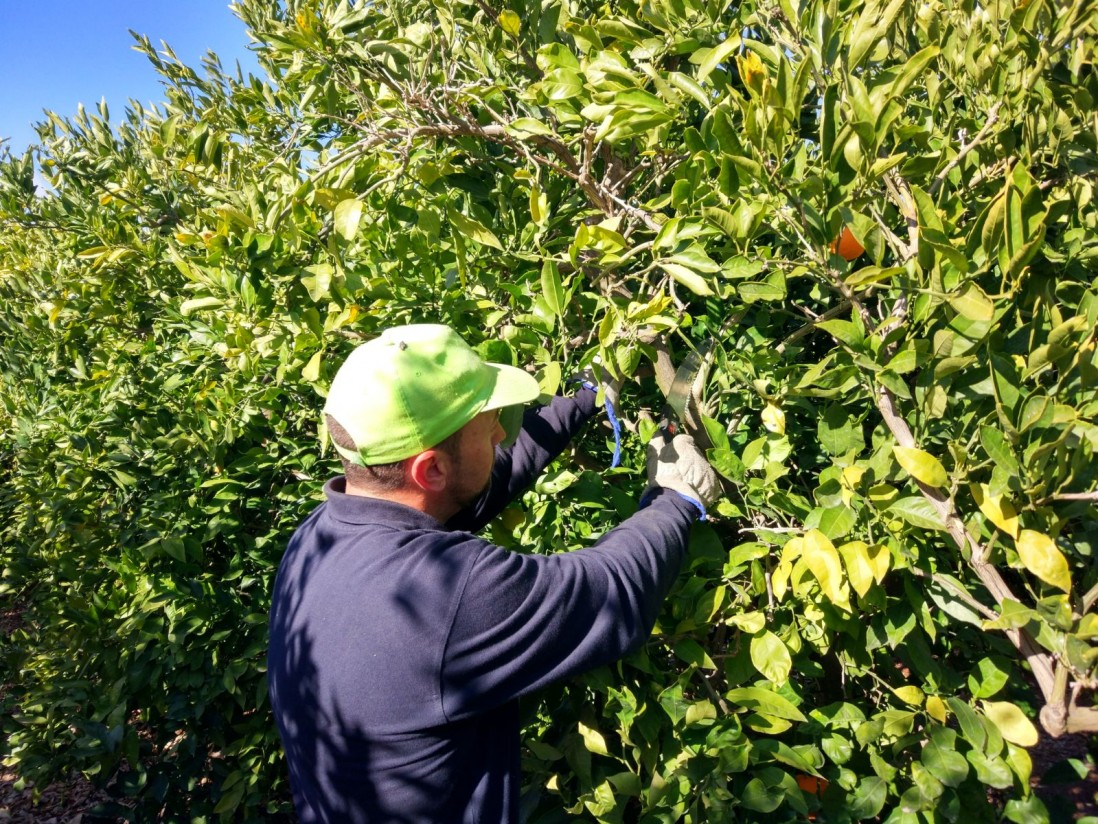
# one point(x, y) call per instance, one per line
point(847, 246)
point(811, 784)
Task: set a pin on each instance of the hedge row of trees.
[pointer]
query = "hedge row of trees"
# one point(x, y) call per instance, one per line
point(882, 215)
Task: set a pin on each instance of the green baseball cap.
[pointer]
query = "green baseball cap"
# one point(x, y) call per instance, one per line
point(412, 387)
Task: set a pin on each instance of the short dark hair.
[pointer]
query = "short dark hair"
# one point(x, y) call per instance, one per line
point(385, 477)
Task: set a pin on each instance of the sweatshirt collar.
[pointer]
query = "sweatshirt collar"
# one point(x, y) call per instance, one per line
point(358, 509)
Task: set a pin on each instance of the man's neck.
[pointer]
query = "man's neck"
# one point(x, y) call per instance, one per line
point(433, 505)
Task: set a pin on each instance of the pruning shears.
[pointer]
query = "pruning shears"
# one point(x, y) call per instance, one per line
point(678, 395)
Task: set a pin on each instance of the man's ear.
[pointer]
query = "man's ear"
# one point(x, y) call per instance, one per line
point(430, 470)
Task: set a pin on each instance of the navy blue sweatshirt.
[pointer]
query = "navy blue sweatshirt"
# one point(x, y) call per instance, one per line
point(399, 644)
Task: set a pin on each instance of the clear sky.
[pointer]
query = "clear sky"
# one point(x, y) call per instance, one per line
point(55, 54)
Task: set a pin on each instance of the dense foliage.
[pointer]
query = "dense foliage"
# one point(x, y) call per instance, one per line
point(881, 215)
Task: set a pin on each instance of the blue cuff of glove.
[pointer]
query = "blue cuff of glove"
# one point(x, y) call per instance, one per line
point(615, 424)
point(651, 492)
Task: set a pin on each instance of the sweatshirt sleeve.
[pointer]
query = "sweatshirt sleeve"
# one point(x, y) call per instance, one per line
point(546, 431)
point(524, 621)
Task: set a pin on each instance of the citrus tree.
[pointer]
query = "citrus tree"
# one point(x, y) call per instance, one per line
point(877, 223)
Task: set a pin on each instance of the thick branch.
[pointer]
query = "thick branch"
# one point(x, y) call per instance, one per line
point(1038, 659)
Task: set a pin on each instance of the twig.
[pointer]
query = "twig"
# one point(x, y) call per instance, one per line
point(1070, 496)
point(797, 334)
point(981, 136)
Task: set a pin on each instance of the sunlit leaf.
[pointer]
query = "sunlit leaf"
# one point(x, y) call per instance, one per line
point(996, 508)
point(922, 466)
point(1012, 722)
point(1043, 558)
point(771, 657)
point(823, 560)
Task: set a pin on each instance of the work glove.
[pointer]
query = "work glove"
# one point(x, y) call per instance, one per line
point(677, 464)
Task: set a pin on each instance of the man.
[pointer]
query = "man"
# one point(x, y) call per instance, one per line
point(400, 642)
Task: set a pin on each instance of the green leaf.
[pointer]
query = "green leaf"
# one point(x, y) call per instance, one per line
point(988, 678)
point(1040, 555)
point(771, 657)
point(318, 281)
point(700, 711)
point(844, 331)
point(839, 432)
point(973, 303)
point(738, 268)
point(833, 521)
point(473, 229)
point(760, 291)
point(523, 127)
point(197, 304)
point(692, 652)
point(727, 463)
point(687, 277)
point(947, 593)
point(711, 58)
point(346, 218)
point(868, 799)
point(969, 721)
point(695, 257)
point(761, 798)
point(998, 449)
point(917, 511)
point(942, 760)
point(765, 702)
point(990, 770)
point(551, 288)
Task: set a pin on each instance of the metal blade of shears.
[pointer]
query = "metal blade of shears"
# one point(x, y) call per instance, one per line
point(678, 396)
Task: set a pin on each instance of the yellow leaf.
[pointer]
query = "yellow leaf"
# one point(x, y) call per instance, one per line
point(779, 581)
point(879, 558)
point(510, 23)
point(936, 709)
point(856, 558)
point(790, 553)
point(792, 549)
point(996, 509)
point(312, 369)
point(593, 740)
point(752, 71)
point(852, 475)
point(882, 494)
point(910, 695)
point(864, 564)
point(773, 419)
point(823, 561)
point(1041, 556)
point(920, 465)
point(1012, 723)
point(539, 206)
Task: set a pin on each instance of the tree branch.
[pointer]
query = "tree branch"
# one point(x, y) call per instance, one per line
point(981, 136)
point(1039, 661)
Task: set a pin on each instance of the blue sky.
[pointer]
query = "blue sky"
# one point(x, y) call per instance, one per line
point(55, 54)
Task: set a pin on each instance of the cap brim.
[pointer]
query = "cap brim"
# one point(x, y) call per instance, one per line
point(513, 386)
